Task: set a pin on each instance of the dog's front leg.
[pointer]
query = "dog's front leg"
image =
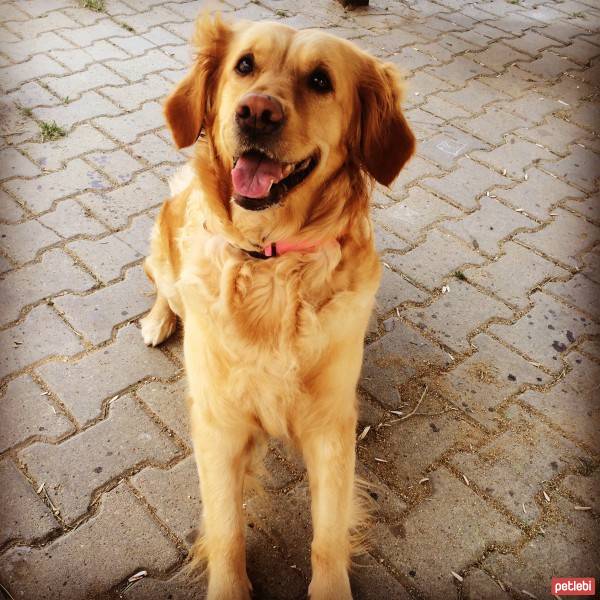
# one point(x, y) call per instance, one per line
point(222, 455)
point(329, 456)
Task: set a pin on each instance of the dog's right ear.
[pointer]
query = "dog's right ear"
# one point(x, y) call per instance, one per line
point(187, 106)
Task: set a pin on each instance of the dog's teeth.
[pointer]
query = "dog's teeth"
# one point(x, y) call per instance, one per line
point(288, 169)
point(303, 164)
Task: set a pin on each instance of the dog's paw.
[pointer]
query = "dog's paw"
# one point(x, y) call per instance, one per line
point(157, 330)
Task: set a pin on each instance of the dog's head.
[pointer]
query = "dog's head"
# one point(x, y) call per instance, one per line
point(285, 110)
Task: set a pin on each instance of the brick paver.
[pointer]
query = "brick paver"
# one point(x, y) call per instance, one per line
point(488, 310)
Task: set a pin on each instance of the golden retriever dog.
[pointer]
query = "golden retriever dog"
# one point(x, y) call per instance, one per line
point(265, 252)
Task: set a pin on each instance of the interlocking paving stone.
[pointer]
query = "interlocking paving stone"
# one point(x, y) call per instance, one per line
point(418, 210)
point(478, 584)
point(563, 239)
point(26, 412)
point(580, 292)
point(92, 561)
point(388, 362)
point(485, 379)
point(117, 164)
point(130, 97)
point(22, 241)
point(456, 515)
point(87, 106)
point(445, 149)
point(487, 227)
point(24, 516)
point(570, 404)
point(179, 512)
point(128, 438)
point(33, 283)
point(70, 219)
point(434, 259)
point(167, 400)
point(83, 385)
point(14, 164)
point(54, 155)
point(498, 277)
point(452, 186)
point(453, 315)
point(395, 290)
point(40, 334)
point(39, 194)
point(72, 86)
point(96, 314)
point(515, 467)
point(13, 76)
point(580, 168)
point(538, 194)
point(546, 331)
point(115, 207)
point(586, 488)
point(492, 125)
point(566, 547)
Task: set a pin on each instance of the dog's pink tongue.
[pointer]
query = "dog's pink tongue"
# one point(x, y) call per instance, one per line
point(254, 174)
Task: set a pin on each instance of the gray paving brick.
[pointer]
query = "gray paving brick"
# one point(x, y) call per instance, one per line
point(134, 69)
point(568, 403)
point(14, 164)
point(24, 516)
point(74, 60)
point(40, 44)
point(394, 291)
point(453, 186)
point(134, 45)
point(55, 155)
point(486, 228)
point(108, 256)
point(157, 15)
point(409, 217)
point(40, 193)
point(155, 150)
point(73, 474)
point(74, 85)
point(565, 547)
point(478, 584)
point(579, 292)
point(555, 134)
point(34, 27)
point(88, 106)
point(22, 241)
point(492, 125)
point(586, 114)
point(115, 207)
point(31, 94)
point(586, 488)
point(549, 65)
point(445, 149)
point(130, 97)
point(580, 168)
point(175, 495)
point(69, 219)
point(103, 50)
point(497, 55)
point(177, 586)
point(95, 562)
point(434, 259)
point(459, 70)
point(529, 450)
point(563, 239)
point(127, 127)
point(96, 314)
point(13, 76)
point(487, 378)
point(83, 385)
point(455, 514)
point(513, 157)
point(514, 81)
point(84, 36)
point(534, 107)
point(546, 331)
point(25, 413)
point(32, 283)
point(387, 365)
point(531, 43)
point(591, 262)
point(167, 400)
point(538, 194)
point(41, 333)
point(498, 277)
point(117, 164)
point(452, 316)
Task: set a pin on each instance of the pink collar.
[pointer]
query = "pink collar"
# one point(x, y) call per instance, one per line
point(279, 248)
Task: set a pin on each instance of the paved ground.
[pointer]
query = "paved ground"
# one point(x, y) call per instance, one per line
point(489, 311)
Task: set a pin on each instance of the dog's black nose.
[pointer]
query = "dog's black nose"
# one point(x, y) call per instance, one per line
point(259, 113)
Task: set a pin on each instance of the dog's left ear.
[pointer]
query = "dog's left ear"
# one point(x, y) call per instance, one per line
point(188, 104)
point(387, 141)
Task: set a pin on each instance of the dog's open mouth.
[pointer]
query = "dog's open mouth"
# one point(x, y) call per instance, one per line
point(260, 181)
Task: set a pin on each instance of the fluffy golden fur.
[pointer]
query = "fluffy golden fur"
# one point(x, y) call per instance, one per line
point(273, 348)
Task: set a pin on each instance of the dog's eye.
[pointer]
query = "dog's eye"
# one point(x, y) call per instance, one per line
point(245, 65)
point(319, 81)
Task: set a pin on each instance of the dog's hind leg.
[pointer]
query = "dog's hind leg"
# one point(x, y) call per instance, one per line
point(159, 323)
